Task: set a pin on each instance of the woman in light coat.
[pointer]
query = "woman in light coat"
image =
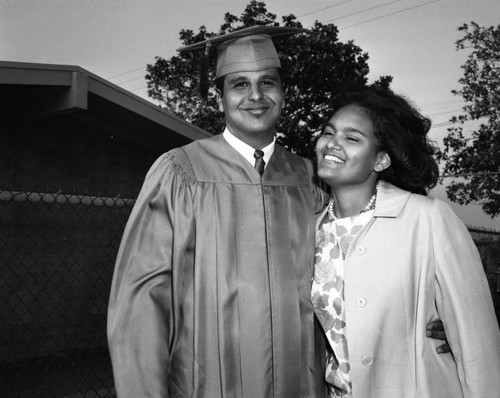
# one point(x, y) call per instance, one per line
point(390, 259)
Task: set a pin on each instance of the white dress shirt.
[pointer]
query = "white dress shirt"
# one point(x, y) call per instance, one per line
point(246, 150)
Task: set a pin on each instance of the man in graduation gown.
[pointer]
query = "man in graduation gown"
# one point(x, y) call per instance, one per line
point(211, 290)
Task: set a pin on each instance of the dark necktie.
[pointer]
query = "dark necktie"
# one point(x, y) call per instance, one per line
point(259, 161)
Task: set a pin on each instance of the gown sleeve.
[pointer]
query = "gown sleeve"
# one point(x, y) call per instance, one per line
point(146, 281)
point(320, 189)
point(465, 306)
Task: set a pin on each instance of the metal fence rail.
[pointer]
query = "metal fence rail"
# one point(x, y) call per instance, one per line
point(57, 253)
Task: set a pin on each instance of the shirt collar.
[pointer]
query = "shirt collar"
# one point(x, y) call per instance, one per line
point(246, 150)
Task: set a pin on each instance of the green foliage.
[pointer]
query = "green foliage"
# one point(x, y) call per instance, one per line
point(476, 158)
point(315, 66)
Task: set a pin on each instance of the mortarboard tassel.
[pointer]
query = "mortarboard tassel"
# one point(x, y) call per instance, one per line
point(205, 62)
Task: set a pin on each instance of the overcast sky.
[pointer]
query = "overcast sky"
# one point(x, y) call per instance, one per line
point(412, 40)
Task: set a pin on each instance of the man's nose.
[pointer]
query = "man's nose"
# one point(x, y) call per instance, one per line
point(255, 92)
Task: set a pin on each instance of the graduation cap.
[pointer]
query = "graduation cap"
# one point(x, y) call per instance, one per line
point(245, 50)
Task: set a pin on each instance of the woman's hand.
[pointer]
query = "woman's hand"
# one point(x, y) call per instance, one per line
point(435, 330)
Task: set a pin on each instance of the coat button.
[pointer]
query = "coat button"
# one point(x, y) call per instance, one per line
point(360, 250)
point(361, 302)
point(367, 360)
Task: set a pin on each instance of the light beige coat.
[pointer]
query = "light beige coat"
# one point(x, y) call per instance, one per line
point(415, 262)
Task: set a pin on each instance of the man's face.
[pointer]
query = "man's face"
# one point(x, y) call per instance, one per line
point(252, 103)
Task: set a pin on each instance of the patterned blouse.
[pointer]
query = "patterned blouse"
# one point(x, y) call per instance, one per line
point(332, 241)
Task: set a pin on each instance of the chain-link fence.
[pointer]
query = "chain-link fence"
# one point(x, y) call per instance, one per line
point(57, 255)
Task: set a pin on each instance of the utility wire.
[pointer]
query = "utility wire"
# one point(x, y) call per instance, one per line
point(390, 14)
point(442, 104)
point(438, 125)
point(325, 8)
point(131, 80)
point(445, 113)
point(125, 73)
point(363, 11)
point(139, 88)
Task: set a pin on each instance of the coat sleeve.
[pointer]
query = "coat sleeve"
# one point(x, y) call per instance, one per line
point(145, 282)
point(465, 306)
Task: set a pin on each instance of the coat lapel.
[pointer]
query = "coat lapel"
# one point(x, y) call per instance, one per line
point(390, 200)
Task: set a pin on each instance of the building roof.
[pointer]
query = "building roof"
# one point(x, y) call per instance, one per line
point(70, 94)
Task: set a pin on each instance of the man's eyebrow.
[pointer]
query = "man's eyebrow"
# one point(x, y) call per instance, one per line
point(237, 79)
point(269, 76)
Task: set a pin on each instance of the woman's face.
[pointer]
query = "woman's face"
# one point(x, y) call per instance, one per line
point(348, 152)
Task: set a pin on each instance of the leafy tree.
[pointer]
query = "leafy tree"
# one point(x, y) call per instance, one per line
point(476, 159)
point(316, 66)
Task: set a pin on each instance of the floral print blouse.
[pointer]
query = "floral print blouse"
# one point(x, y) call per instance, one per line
point(332, 241)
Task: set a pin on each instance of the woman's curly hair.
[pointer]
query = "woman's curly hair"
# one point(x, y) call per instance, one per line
point(401, 131)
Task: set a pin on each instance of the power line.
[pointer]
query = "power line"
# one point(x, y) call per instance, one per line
point(131, 80)
point(441, 105)
point(125, 73)
point(139, 88)
point(390, 14)
point(438, 125)
point(448, 123)
point(324, 8)
point(363, 11)
point(441, 109)
point(445, 113)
